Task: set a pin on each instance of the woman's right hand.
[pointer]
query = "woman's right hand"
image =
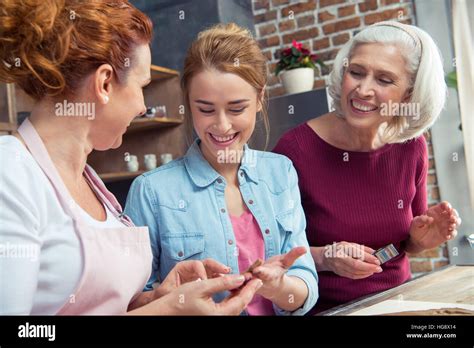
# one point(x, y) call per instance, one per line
point(350, 260)
point(195, 298)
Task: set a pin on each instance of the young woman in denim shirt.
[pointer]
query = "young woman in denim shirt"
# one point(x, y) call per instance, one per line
point(223, 200)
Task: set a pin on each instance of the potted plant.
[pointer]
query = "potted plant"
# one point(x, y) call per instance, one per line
point(297, 66)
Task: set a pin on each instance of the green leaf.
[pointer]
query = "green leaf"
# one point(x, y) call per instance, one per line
point(452, 80)
point(295, 52)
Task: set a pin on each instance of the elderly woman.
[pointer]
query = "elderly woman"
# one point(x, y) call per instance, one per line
point(83, 255)
point(362, 168)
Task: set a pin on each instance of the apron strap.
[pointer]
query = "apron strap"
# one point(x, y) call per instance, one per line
point(37, 148)
point(106, 196)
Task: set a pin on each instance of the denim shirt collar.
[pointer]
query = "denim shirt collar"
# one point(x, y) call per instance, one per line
point(203, 174)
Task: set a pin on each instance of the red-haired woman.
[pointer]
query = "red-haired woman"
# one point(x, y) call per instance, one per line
point(69, 247)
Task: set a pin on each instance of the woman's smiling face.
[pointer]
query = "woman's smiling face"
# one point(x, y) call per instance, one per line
point(224, 108)
point(376, 75)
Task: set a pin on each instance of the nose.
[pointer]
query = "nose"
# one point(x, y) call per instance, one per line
point(365, 88)
point(222, 123)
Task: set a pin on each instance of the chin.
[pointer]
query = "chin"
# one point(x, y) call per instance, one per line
point(117, 143)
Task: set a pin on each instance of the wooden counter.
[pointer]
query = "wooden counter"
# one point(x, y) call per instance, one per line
point(446, 287)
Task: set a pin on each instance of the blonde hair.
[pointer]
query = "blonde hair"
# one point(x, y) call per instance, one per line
point(227, 48)
point(424, 64)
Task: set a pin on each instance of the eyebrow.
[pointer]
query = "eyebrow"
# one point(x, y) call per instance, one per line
point(386, 72)
point(233, 102)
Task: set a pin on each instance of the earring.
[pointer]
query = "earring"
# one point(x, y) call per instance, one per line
point(106, 99)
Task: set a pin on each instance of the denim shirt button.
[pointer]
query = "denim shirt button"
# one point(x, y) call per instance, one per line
point(230, 242)
point(180, 254)
point(241, 173)
point(250, 202)
point(219, 181)
point(267, 231)
point(222, 210)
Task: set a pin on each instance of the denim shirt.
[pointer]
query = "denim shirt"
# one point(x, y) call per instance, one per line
point(184, 206)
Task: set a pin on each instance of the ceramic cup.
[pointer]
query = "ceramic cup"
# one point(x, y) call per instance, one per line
point(132, 163)
point(150, 161)
point(166, 158)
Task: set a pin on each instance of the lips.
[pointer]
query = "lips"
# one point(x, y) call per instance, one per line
point(361, 107)
point(223, 140)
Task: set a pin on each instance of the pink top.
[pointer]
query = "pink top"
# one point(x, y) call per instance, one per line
point(250, 247)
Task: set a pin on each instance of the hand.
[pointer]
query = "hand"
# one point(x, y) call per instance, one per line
point(435, 227)
point(351, 260)
point(273, 271)
point(188, 271)
point(195, 298)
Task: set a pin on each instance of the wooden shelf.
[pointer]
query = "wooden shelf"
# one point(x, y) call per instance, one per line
point(159, 72)
point(111, 177)
point(7, 127)
point(144, 123)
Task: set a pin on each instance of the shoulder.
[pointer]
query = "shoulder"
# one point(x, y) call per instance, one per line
point(276, 171)
point(25, 190)
point(166, 177)
point(171, 169)
point(416, 147)
point(268, 161)
point(19, 168)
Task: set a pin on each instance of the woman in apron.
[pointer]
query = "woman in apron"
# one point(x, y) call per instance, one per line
point(66, 246)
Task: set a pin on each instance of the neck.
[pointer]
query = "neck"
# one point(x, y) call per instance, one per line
point(227, 170)
point(361, 139)
point(66, 139)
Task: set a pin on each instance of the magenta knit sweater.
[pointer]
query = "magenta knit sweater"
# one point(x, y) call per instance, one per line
point(368, 198)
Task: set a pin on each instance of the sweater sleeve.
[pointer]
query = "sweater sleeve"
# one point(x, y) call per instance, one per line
point(419, 204)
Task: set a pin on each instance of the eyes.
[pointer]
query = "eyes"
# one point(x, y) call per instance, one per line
point(235, 111)
point(383, 80)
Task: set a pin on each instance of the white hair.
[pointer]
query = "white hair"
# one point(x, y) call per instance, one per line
point(424, 65)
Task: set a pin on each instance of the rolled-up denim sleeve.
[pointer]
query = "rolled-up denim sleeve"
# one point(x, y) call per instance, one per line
point(304, 267)
point(139, 208)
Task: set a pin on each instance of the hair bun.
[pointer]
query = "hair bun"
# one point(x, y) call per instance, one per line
point(34, 37)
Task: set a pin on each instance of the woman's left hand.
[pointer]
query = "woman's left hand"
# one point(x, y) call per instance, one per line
point(273, 271)
point(188, 271)
point(435, 227)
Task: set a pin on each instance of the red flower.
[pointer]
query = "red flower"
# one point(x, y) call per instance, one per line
point(297, 45)
point(286, 52)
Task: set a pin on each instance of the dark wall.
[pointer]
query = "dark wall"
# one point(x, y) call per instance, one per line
point(286, 112)
point(173, 33)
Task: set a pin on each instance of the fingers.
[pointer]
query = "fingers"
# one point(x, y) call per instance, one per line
point(458, 218)
point(267, 273)
point(214, 268)
point(363, 253)
point(368, 250)
point(191, 270)
point(422, 220)
point(240, 299)
point(452, 235)
point(290, 257)
point(361, 267)
point(227, 282)
point(371, 259)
